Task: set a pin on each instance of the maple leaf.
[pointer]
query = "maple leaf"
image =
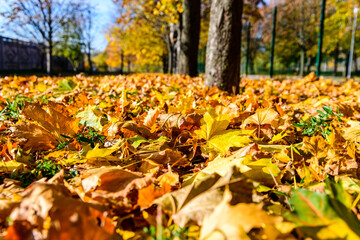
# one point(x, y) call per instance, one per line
point(324, 216)
point(317, 146)
point(213, 129)
point(262, 118)
point(54, 119)
point(197, 200)
point(48, 210)
point(234, 222)
point(352, 134)
point(91, 117)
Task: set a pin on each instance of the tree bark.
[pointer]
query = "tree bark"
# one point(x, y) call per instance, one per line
point(189, 38)
point(224, 45)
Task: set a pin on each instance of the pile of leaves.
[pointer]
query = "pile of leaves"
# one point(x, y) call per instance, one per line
point(151, 156)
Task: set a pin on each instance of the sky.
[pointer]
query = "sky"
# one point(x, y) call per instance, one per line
point(105, 14)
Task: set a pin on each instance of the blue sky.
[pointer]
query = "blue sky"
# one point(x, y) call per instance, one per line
point(105, 14)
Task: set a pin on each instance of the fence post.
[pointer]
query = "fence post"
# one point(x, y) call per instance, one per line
point(356, 10)
point(320, 40)
point(273, 43)
point(247, 49)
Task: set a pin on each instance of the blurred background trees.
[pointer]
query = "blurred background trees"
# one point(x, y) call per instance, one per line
point(171, 36)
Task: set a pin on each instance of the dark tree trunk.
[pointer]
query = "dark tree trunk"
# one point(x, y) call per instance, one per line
point(355, 63)
point(223, 48)
point(171, 60)
point(189, 37)
point(129, 67)
point(89, 59)
point(49, 51)
point(336, 59)
point(122, 62)
point(165, 62)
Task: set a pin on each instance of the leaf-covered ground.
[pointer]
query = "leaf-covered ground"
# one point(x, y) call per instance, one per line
point(162, 157)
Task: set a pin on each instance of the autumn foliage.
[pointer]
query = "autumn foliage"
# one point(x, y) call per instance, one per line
point(152, 156)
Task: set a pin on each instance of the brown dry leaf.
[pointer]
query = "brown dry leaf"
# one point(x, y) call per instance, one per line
point(167, 156)
point(198, 200)
point(131, 129)
point(49, 212)
point(151, 117)
point(234, 222)
point(148, 194)
point(180, 121)
point(317, 146)
point(112, 183)
point(37, 138)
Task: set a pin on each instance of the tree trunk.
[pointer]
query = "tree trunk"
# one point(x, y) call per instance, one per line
point(171, 59)
point(336, 59)
point(89, 59)
point(49, 51)
point(189, 38)
point(129, 66)
point(346, 64)
point(165, 62)
point(224, 43)
point(122, 62)
point(302, 62)
point(309, 64)
point(355, 63)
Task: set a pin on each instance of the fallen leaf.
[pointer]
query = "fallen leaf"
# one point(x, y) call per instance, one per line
point(235, 222)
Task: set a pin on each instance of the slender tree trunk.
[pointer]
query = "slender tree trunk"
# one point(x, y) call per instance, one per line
point(252, 67)
point(309, 64)
point(89, 59)
point(122, 62)
point(189, 38)
point(129, 66)
point(302, 61)
point(171, 59)
point(336, 59)
point(346, 64)
point(224, 45)
point(49, 51)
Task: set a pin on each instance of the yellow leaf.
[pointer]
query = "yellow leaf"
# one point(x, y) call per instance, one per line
point(261, 117)
point(102, 152)
point(9, 166)
point(317, 146)
point(352, 134)
point(212, 124)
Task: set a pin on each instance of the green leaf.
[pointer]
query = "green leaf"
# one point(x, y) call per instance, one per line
point(322, 216)
point(66, 85)
point(328, 110)
point(91, 117)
